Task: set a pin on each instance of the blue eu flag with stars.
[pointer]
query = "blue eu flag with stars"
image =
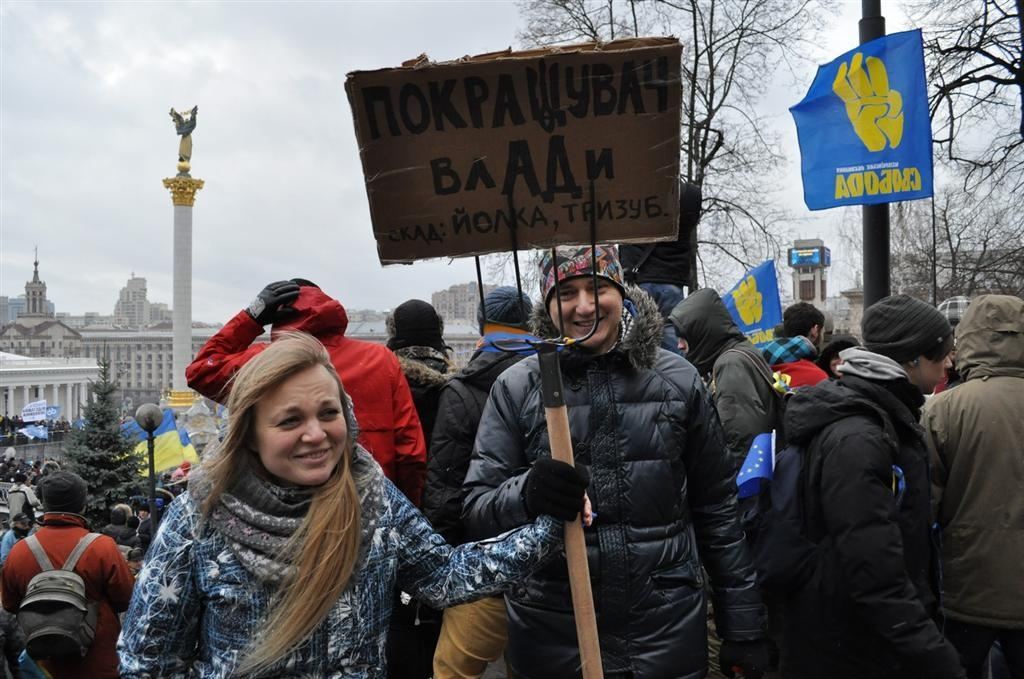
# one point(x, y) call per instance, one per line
point(758, 465)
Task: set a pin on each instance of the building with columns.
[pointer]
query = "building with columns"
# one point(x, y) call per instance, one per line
point(62, 382)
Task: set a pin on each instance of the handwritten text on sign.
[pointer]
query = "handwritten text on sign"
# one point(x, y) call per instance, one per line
point(455, 155)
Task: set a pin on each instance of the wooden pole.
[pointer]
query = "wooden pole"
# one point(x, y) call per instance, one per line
point(575, 545)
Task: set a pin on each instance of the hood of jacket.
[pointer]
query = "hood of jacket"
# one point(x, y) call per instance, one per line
point(707, 326)
point(317, 314)
point(811, 409)
point(640, 346)
point(990, 338)
point(485, 366)
point(425, 366)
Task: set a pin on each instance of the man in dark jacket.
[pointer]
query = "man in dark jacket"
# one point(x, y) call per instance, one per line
point(662, 270)
point(473, 634)
point(974, 434)
point(661, 489)
point(416, 336)
point(742, 384)
point(865, 607)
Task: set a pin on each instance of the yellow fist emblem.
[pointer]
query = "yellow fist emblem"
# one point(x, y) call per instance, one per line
point(748, 301)
point(875, 110)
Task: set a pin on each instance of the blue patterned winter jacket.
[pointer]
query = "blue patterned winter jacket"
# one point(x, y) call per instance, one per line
point(196, 609)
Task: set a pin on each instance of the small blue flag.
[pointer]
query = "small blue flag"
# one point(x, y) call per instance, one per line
point(759, 464)
point(755, 304)
point(864, 127)
point(35, 431)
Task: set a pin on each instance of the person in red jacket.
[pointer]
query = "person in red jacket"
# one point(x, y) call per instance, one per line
point(105, 572)
point(793, 354)
point(388, 423)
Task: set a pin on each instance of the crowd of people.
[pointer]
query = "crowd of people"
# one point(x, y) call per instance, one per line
point(375, 511)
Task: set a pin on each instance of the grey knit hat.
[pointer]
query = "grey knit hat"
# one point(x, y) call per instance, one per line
point(903, 328)
point(505, 305)
point(64, 492)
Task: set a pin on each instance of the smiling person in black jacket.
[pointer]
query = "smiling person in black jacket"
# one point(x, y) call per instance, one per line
point(866, 606)
point(660, 486)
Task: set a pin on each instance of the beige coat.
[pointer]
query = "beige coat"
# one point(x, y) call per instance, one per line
point(975, 434)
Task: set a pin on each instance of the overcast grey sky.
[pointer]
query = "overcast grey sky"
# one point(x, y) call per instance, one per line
point(85, 140)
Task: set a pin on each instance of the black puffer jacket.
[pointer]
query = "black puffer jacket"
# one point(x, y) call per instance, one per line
point(866, 608)
point(662, 489)
point(460, 406)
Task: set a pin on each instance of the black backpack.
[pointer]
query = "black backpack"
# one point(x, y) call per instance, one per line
point(57, 618)
point(777, 534)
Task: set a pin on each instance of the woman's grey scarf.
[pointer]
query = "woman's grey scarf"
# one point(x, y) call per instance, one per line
point(869, 365)
point(257, 518)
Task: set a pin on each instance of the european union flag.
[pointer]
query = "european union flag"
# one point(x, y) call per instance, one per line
point(754, 303)
point(759, 464)
point(864, 127)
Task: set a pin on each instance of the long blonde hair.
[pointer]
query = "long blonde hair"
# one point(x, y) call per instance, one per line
point(326, 545)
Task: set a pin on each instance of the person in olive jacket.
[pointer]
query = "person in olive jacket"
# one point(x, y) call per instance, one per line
point(974, 434)
point(661, 489)
point(866, 606)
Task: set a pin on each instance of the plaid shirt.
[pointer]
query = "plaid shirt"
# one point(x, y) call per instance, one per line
point(788, 349)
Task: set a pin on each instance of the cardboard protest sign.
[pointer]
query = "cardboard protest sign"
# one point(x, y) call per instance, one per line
point(455, 154)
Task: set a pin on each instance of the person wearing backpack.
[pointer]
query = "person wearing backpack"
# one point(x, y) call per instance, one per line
point(742, 384)
point(21, 499)
point(105, 583)
point(865, 605)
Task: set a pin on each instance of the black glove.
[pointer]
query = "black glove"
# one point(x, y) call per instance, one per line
point(555, 488)
point(749, 658)
point(271, 298)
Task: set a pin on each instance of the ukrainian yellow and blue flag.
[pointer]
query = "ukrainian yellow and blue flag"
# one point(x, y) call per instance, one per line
point(172, 445)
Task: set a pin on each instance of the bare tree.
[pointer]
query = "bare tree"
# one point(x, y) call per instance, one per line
point(732, 48)
point(974, 54)
point(974, 246)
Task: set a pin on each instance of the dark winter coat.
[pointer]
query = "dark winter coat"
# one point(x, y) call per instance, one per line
point(460, 406)
point(741, 381)
point(122, 534)
point(975, 433)
point(865, 607)
point(662, 490)
point(426, 370)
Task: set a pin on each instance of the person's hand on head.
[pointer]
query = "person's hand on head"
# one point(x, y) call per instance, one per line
point(267, 307)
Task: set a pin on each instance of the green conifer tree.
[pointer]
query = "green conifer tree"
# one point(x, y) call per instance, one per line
point(101, 454)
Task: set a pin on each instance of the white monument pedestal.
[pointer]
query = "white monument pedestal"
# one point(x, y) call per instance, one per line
point(183, 194)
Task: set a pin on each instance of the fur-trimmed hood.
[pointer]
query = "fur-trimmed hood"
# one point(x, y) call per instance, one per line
point(640, 346)
point(425, 366)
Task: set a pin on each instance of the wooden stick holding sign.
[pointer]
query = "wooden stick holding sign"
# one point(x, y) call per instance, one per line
point(575, 546)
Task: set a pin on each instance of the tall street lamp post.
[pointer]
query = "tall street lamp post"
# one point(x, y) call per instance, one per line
point(149, 416)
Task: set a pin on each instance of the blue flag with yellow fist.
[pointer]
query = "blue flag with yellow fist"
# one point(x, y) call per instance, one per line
point(865, 135)
point(755, 304)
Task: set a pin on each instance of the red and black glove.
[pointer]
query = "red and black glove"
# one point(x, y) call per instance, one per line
point(747, 659)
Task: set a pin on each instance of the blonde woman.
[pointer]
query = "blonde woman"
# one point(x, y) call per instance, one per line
point(281, 558)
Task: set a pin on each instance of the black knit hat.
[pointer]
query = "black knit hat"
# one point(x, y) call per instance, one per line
point(64, 492)
point(903, 328)
point(415, 324)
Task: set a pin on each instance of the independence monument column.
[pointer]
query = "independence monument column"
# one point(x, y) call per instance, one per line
point(183, 194)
